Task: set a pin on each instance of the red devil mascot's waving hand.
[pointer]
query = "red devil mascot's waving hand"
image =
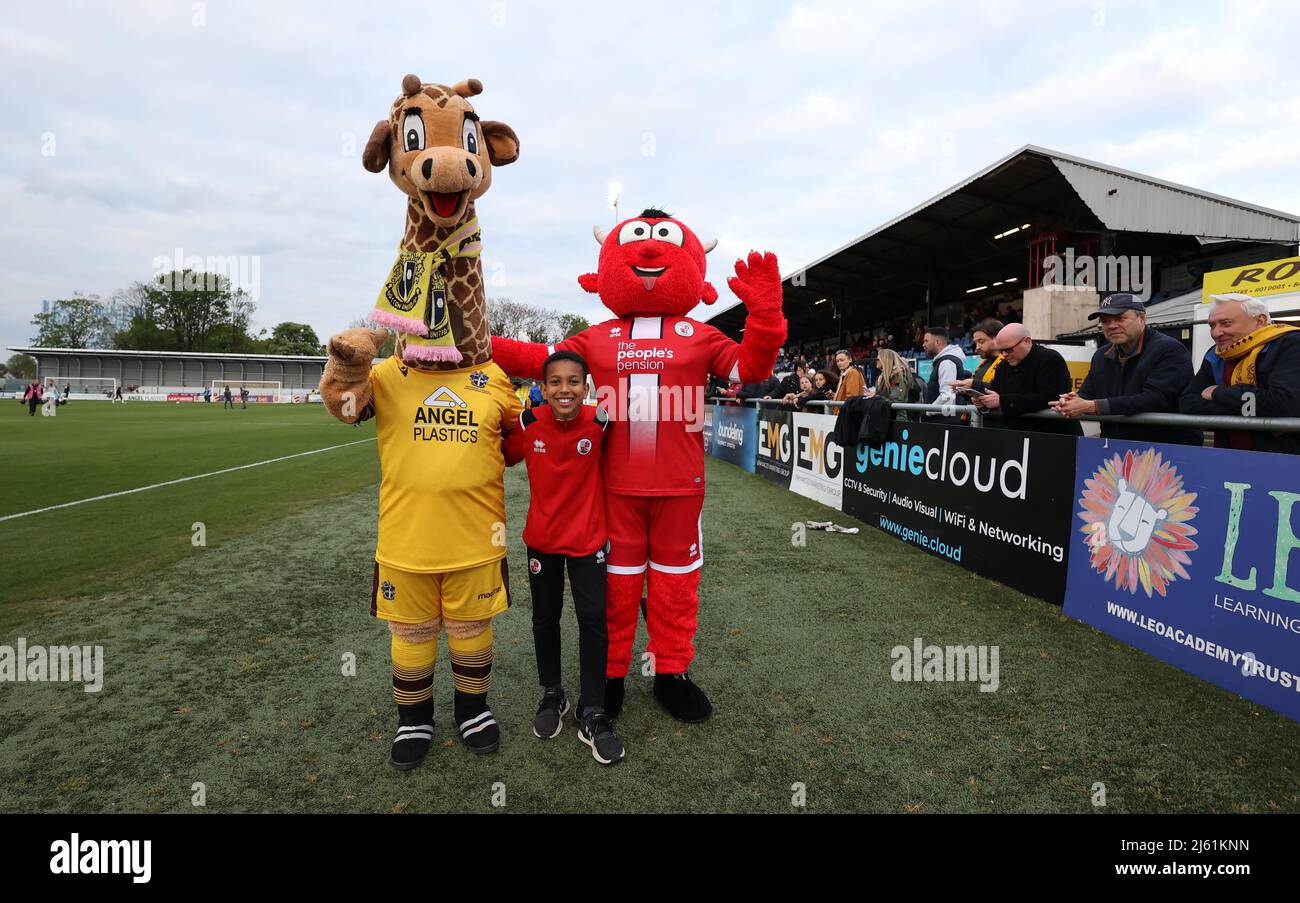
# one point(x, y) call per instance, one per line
point(651, 365)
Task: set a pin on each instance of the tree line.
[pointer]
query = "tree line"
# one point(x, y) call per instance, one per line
point(203, 312)
point(188, 311)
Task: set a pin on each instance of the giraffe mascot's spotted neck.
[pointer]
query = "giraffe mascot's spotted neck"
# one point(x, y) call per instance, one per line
point(440, 154)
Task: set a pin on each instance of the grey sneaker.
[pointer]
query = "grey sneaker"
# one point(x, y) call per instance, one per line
point(549, 720)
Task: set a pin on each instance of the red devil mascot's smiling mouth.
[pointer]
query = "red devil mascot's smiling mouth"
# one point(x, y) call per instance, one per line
point(648, 275)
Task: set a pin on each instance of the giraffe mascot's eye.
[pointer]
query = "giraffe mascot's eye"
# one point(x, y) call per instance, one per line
point(413, 132)
point(669, 232)
point(469, 136)
point(636, 230)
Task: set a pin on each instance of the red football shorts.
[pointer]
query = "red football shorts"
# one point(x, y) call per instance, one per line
point(660, 532)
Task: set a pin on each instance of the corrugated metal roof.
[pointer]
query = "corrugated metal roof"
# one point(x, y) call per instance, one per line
point(1174, 311)
point(1128, 202)
point(948, 242)
point(1272, 225)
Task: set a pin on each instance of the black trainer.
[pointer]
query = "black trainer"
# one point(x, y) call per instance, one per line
point(598, 733)
point(414, 735)
point(549, 720)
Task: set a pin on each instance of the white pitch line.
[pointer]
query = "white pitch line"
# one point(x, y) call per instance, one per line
point(215, 473)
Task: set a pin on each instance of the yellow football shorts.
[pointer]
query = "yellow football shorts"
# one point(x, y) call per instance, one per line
point(472, 594)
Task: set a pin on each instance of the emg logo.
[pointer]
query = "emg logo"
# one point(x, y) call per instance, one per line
point(774, 440)
point(816, 453)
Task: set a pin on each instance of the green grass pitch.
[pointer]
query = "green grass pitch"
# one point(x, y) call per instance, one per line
point(224, 663)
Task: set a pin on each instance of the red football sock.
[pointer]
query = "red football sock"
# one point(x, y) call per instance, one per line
point(672, 609)
point(622, 599)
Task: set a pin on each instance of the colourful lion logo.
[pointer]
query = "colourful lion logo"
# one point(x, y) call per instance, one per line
point(1137, 521)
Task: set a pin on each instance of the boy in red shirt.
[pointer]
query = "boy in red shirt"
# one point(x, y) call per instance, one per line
point(561, 441)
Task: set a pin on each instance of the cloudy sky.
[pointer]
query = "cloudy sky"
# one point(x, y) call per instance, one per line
point(228, 129)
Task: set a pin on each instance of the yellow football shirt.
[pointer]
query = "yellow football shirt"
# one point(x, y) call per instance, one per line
point(441, 496)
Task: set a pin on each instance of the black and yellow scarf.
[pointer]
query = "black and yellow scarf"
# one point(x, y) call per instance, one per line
point(1246, 350)
point(413, 300)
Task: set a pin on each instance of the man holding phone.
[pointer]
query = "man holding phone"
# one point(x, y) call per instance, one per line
point(1029, 378)
point(1140, 371)
point(984, 334)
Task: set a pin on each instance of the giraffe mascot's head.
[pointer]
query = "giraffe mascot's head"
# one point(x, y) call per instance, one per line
point(440, 154)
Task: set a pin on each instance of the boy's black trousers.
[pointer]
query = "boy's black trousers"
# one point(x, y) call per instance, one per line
point(587, 583)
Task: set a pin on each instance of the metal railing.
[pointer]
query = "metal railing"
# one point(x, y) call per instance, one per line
point(1195, 421)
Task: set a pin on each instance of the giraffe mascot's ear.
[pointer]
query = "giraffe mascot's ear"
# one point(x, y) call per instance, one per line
point(375, 156)
point(502, 142)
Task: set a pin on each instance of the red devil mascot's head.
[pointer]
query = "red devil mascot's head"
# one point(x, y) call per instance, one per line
point(650, 265)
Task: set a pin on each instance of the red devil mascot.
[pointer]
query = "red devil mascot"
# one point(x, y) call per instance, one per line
point(650, 365)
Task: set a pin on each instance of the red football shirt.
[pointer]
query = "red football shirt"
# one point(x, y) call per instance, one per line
point(650, 375)
point(566, 499)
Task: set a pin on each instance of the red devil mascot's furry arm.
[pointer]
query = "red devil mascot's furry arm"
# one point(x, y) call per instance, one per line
point(649, 358)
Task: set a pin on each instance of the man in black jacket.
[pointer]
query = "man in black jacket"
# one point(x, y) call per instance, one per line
point(1253, 370)
point(1029, 378)
point(1140, 371)
point(765, 389)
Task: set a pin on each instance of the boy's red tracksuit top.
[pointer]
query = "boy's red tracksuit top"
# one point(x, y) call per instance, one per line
point(566, 506)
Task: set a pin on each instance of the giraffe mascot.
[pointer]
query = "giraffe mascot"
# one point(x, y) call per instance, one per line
point(440, 407)
point(650, 365)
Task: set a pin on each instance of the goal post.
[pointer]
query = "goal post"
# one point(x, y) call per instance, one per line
point(259, 390)
point(84, 385)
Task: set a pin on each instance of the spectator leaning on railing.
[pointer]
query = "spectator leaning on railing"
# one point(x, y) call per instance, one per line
point(1028, 379)
point(793, 401)
point(825, 384)
point(1139, 371)
point(764, 389)
point(819, 385)
point(791, 383)
point(1253, 370)
point(983, 335)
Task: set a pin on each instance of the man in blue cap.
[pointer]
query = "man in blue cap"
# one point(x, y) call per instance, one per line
point(1139, 371)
